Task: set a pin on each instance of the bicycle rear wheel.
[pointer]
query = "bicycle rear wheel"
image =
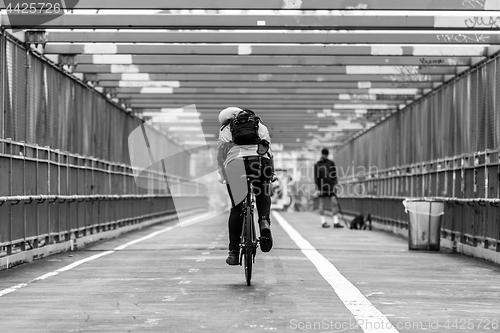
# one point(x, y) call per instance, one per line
point(248, 255)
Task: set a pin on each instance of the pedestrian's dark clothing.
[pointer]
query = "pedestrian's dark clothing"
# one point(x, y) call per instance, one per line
point(325, 177)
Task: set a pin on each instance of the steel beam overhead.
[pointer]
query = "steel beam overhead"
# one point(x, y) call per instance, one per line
point(285, 5)
point(301, 37)
point(318, 70)
point(269, 98)
point(291, 50)
point(293, 104)
point(300, 105)
point(338, 21)
point(242, 84)
point(265, 77)
point(247, 91)
point(220, 106)
point(131, 63)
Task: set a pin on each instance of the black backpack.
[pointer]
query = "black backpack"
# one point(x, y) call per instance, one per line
point(244, 128)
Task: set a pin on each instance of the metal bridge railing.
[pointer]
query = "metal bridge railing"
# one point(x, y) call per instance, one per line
point(469, 184)
point(48, 196)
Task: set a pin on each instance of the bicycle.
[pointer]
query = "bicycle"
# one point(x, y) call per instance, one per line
point(248, 240)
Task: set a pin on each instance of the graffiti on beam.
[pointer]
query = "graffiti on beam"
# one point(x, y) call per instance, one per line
point(483, 22)
point(378, 97)
point(461, 38)
point(432, 61)
point(408, 74)
point(409, 78)
point(292, 4)
point(359, 6)
point(362, 97)
point(474, 4)
point(394, 97)
point(375, 113)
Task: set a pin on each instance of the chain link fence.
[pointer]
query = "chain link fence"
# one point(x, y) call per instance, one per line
point(45, 106)
point(462, 117)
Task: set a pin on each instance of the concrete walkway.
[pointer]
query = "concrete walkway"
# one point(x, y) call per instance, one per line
point(177, 281)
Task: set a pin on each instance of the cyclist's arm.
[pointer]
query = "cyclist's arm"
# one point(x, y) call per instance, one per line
point(264, 135)
point(224, 144)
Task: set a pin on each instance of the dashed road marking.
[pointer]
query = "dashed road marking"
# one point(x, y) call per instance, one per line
point(169, 299)
point(369, 318)
point(205, 253)
point(193, 270)
point(152, 322)
point(184, 282)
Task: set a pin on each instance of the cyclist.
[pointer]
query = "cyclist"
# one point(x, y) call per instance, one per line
point(241, 135)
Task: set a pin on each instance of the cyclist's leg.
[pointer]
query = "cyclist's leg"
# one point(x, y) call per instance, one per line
point(235, 224)
point(237, 188)
point(262, 188)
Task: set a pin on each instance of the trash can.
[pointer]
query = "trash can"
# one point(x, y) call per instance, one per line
point(424, 228)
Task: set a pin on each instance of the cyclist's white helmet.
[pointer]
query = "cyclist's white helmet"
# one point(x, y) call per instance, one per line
point(227, 114)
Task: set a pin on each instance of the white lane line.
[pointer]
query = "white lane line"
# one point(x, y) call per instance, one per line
point(369, 318)
point(206, 216)
point(191, 221)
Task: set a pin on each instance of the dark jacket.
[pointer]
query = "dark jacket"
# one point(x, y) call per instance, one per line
point(325, 176)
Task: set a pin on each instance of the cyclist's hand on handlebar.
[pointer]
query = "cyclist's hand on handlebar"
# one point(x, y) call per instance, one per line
point(222, 180)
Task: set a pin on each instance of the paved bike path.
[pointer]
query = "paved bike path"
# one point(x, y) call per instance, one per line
point(178, 281)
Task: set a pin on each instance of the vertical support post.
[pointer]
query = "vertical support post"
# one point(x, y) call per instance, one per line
point(457, 165)
point(9, 247)
point(51, 210)
point(463, 185)
point(27, 67)
point(37, 191)
point(23, 147)
point(476, 165)
point(498, 176)
point(407, 191)
point(487, 162)
point(3, 65)
point(423, 174)
point(411, 176)
point(93, 187)
point(429, 170)
point(439, 169)
point(79, 189)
